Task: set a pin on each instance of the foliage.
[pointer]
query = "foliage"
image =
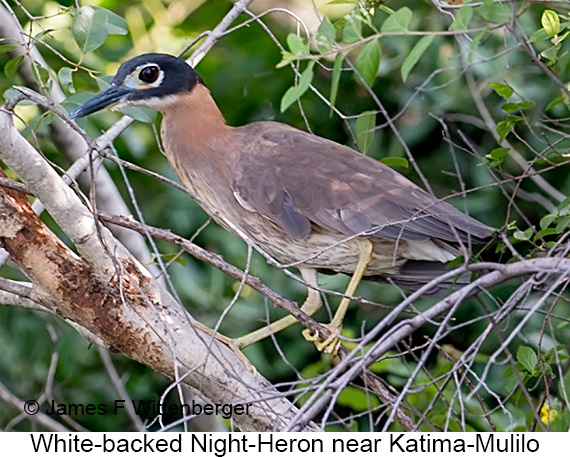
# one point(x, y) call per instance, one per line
point(470, 99)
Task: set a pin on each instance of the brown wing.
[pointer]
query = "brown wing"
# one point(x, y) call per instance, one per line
point(294, 178)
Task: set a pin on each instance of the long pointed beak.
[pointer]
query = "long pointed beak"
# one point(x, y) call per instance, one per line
point(110, 96)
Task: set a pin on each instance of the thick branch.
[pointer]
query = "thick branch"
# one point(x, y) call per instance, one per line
point(109, 293)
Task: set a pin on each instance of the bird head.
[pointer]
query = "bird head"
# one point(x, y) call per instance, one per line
point(149, 80)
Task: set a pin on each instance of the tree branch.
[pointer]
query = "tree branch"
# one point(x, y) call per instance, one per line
point(109, 293)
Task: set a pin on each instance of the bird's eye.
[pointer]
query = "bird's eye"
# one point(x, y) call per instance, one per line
point(149, 74)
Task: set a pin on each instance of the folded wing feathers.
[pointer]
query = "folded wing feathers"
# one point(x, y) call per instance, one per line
point(295, 178)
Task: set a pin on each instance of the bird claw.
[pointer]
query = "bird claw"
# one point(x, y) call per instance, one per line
point(234, 345)
point(237, 351)
point(329, 345)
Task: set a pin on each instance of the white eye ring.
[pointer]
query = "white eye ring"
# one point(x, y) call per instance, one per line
point(149, 74)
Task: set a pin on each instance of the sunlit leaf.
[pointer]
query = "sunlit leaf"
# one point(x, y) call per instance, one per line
point(506, 126)
point(497, 155)
point(89, 28)
point(502, 89)
point(297, 45)
point(415, 54)
point(523, 236)
point(295, 92)
point(526, 104)
point(4, 48)
point(398, 22)
point(550, 22)
point(116, 25)
point(352, 29)
point(509, 107)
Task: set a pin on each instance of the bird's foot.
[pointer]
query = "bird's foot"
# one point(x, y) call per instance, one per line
point(330, 344)
point(237, 351)
point(234, 345)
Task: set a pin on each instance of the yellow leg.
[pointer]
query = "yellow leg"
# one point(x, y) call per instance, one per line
point(228, 342)
point(330, 345)
point(311, 305)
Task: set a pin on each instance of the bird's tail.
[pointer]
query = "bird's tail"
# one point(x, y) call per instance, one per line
point(417, 273)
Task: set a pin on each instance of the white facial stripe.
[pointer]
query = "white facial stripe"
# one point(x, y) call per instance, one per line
point(154, 102)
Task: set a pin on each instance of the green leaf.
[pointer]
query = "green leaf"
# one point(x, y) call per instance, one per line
point(554, 102)
point(4, 48)
point(562, 224)
point(550, 22)
point(337, 69)
point(145, 115)
point(511, 383)
point(89, 28)
point(297, 45)
point(497, 155)
point(395, 162)
point(526, 104)
point(547, 220)
point(462, 19)
point(398, 22)
point(564, 204)
point(552, 52)
point(11, 93)
point(502, 89)
point(527, 358)
point(415, 54)
point(365, 124)
point(116, 25)
point(295, 92)
point(42, 77)
point(12, 66)
point(503, 129)
point(523, 236)
point(509, 107)
point(357, 399)
point(508, 372)
point(475, 43)
point(497, 13)
point(344, 2)
point(539, 35)
point(325, 36)
point(368, 61)
point(65, 77)
point(508, 125)
point(352, 30)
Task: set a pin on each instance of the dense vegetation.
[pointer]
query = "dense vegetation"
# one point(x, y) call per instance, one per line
point(470, 100)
